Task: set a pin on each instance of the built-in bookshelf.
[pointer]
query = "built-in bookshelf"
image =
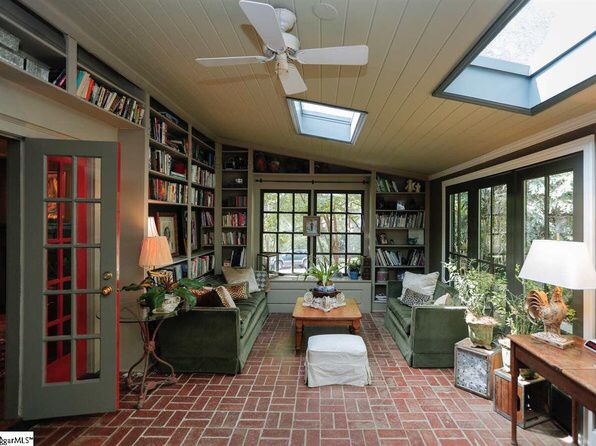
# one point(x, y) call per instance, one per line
point(400, 232)
point(234, 205)
point(182, 177)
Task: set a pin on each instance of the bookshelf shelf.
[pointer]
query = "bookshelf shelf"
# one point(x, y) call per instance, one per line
point(202, 164)
point(165, 176)
point(171, 150)
point(165, 203)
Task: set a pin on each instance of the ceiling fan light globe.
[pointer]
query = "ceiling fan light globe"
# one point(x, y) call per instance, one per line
point(286, 19)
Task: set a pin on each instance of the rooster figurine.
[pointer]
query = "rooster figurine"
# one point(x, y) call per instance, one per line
point(552, 314)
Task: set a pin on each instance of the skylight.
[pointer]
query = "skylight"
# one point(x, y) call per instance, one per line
point(326, 121)
point(536, 54)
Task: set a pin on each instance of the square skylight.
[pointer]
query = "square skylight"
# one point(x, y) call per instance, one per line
point(536, 54)
point(326, 121)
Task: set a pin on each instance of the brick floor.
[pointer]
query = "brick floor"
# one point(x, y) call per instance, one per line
point(268, 404)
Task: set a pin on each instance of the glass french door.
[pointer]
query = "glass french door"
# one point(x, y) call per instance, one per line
point(70, 301)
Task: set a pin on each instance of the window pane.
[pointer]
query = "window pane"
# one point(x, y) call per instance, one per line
point(285, 222)
point(339, 223)
point(463, 226)
point(484, 229)
point(285, 202)
point(270, 222)
point(88, 177)
point(301, 204)
point(354, 223)
point(270, 201)
point(354, 243)
point(270, 243)
point(59, 177)
point(535, 222)
point(300, 243)
point(323, 243)
point(355, 203)
point(285, 243)
point(338, 243)
point(299, 223)
point(561, 206)
point(325, 222)
point(339, 202)
point(323, 202)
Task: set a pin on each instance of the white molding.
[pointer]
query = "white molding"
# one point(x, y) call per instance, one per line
point(552, 132)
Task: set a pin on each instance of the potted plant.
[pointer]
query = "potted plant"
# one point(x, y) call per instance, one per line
point(323, 271)
point(481, 292)
point(165, 295)
point(354, 267)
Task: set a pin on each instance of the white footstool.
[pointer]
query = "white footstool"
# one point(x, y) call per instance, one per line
point(336, 359)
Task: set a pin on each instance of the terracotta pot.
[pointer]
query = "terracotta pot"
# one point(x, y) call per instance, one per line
point(481, 335)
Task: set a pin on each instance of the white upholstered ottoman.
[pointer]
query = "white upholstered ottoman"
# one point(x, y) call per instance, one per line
point(336, 359)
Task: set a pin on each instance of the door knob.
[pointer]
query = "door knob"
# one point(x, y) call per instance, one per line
point(107, 275)
point(106, 290)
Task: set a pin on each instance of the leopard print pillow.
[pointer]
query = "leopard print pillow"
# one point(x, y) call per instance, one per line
point(238, 291)
point(413, 298)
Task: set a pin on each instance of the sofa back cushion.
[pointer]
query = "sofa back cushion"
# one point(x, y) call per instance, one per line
point(420, 283)
point(239, 275)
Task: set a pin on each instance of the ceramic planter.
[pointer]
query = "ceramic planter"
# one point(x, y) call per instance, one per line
point(481, 335)
point(354, 275)
point(170, 303)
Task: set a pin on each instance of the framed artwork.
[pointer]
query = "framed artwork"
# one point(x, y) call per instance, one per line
point(167, 226)
point(312, 226)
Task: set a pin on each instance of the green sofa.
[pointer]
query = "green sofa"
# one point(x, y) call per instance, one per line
point(425, 334)
point(214, 340)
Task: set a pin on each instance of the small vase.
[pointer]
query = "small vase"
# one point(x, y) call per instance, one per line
point(354, 275)
point(170, 303)
point(481, 335)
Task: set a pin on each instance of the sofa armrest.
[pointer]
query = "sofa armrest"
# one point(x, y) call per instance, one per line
point(205, 331)
point(435, 329)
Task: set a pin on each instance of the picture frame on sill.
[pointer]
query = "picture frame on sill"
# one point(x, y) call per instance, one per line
point(312, 226)
point(167, 226)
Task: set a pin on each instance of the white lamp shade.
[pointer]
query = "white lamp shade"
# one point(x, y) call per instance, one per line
point(155, 252)
point(560, 263)
point(152, 228)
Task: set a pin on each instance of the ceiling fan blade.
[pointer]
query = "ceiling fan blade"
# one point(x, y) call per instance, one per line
point(339, 55)
point(292, 81)
point(262, 17)
point(225, 61)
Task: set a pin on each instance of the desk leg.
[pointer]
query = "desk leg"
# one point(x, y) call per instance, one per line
point(513, 395)
point(299, 330)
point(574, 413)
point(356, 327)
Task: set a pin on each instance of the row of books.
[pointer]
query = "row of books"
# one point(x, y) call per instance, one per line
point(159, 133)
point(237, 257)
point(234, 219)
point(231, 238)
point(385, 257)
point(201, 265)
point(410, 220)
point(207, 238)
point(200, 197)
point(119, 104)
point(202, 176)
point(386, 185)
point(381, 297)
point(206, 156)
point(239, 201)
point(163, 190)
point(207, 218)
point(163, 162)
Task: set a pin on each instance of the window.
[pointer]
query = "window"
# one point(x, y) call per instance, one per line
point(282, 214)
point(493, 227)
point(458, 223)
point(537, 53)
point(341, 226)
point(548, 208)
point(326, 121)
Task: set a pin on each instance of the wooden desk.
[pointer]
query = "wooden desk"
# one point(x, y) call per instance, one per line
point(305, 316)
point(571, 370)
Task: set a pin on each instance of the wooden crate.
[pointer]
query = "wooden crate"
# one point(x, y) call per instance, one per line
point(474, 368)
point(532, 399)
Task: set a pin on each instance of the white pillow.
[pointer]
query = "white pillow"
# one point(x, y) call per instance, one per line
point(421, 283)
point(445, 299)
point(239, 275)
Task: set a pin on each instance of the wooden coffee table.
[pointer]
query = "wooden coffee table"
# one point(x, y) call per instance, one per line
point(312, 317)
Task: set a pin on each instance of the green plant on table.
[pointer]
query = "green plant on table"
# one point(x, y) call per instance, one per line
point(155, 294)
point(323, 271)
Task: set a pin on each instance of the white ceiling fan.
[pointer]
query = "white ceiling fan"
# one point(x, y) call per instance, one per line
point(272, 25)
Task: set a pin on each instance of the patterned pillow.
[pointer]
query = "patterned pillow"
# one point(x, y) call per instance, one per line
point(224, 297)
point(239, 275)
point(262, 278)
point(238, 291)
point(413, 298)
point(206, 297)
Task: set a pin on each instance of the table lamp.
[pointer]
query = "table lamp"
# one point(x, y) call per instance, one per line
point(564, 265)
point(155, 251)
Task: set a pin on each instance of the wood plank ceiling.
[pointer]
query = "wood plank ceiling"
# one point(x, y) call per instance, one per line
point(413, 45)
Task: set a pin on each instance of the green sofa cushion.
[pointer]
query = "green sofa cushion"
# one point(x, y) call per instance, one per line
point(250, 309)
point(402, 313)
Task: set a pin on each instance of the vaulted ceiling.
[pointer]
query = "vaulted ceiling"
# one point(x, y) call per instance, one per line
point(413, 45)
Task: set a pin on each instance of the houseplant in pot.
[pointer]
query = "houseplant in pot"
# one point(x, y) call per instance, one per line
point(323, 270)
point(482, 293)
point(354, 267)
point(165, 295)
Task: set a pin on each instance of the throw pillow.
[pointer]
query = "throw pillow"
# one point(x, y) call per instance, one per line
point(445, 299)
point(239, 275)
point(413, 298)
point(206, 297)
point(238, 291)
point(421, 283)
point(225, 297)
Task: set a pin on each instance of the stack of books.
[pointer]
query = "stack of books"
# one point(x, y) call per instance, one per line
point(400, 220)
point(234, 219)
point(89, 89)
point(166, 191)
point(202, 176)
point(385, 257)
point(233, 238)
point(200, 266)
point(386, 185)
point(200, 197)
point(164, 163)
point(207, 238)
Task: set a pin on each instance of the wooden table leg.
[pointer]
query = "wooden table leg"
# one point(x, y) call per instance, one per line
point(299, 330)
point(356, 327)
point(574, 420)
point(513, 395)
